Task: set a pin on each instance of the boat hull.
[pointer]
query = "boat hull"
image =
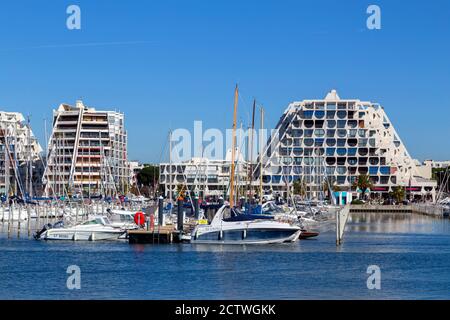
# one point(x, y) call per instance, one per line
point(246, 236)
point(54, 234)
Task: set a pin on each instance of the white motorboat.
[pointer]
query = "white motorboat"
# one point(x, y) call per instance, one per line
point(226, 229)
point(122, 219)
point(97, 228)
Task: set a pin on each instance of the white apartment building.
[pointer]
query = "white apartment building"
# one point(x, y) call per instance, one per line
point(336, 140)
point(19, 154)
point(87, 152)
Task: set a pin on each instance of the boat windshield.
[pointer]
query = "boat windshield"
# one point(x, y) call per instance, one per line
point(272, 208)
point(99, 220)
point(230, 213)
point(235, 214)
point(93, 221)
point(126, 218)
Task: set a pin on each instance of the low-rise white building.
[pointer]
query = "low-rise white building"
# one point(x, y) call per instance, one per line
point(437, 164)
point(203, 177)
point(135, 168)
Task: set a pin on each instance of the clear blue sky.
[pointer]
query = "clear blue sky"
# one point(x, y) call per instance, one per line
point(169, 63)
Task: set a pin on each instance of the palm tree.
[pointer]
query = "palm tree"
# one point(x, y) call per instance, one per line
point(329, 187)
point(299, 188)
point(363, 183)
point(398, 194)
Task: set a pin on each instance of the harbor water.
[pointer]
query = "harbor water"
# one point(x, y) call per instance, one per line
point(412, 252)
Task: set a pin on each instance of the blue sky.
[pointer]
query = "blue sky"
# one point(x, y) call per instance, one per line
point(168, 63)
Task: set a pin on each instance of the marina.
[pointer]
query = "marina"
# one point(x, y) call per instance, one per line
point(412, 250)
point(231, 151)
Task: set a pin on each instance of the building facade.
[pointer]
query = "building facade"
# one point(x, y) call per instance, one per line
point(328, 143)
point(437, 164)
point(87, 153)
point(19, 157)
point(135, 168)
point(203, 177)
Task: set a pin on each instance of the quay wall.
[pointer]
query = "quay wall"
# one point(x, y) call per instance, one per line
point(426, 209)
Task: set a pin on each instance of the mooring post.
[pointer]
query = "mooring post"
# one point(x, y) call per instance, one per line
point(18, 221)
point(180, 221)
point(341, 220)
point(196, 209)
point(10, 219)
point(38, 213)
point(160, 210)
point(29, 220)
point(338, 240)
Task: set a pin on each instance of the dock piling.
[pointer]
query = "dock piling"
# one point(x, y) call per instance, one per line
point(180, 221)
point(19, 222)
point(10, 213)
point(160, 210)
point(196, 208)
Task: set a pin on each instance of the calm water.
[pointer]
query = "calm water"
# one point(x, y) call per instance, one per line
point(413, 253)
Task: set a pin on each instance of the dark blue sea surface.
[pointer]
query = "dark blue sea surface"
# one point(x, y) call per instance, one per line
point(412, 252)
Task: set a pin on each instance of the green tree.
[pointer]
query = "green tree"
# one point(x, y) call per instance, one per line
point(299, 188)
point(363, 183)
point(333, 187)
point(148, 176)
point(398, 194)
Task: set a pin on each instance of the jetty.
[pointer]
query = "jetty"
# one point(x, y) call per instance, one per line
point(19, 219)
point(160, 235)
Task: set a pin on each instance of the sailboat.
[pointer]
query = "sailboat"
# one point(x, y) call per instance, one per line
point(227, 228)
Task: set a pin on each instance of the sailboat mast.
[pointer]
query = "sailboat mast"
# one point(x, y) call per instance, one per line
point(170, 166)
point(30, 159)
point(250, 173)
point(7, 160)
point(260, 158)
point(30, 162)
point(236, 93)
point(46, 156)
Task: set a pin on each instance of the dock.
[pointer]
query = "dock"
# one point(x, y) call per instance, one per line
point(161, 235)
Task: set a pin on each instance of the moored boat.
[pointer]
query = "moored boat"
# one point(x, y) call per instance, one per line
point(97, 228)
point(224, 230)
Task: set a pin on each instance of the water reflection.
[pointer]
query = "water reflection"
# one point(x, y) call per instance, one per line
point(396, 223)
